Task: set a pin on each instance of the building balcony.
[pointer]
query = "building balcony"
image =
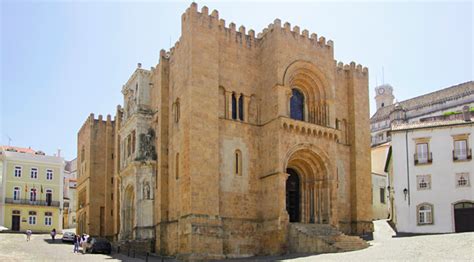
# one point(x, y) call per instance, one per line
point(31, 203)
point(458, 156)
point(423, 159)
point(310, 129)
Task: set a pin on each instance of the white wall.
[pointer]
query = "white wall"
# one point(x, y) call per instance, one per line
point(443, 192)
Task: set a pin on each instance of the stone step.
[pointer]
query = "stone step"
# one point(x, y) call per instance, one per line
point(322, 238)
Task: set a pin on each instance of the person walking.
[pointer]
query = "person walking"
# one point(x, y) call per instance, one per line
point(53, 233)
point(84, 243)
point(77, 242)
point(28, 234)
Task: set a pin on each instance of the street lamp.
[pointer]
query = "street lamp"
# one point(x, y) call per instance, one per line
point(405, 192)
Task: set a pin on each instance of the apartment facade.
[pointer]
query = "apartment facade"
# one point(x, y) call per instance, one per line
point(432, 176)
point(380, 203)
point(32, 190)
point(69, 194)
point(449, 100)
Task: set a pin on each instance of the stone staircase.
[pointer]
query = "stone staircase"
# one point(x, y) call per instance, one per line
point(321, 238)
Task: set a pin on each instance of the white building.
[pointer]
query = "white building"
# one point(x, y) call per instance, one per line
point(69, 194)
point(432, 175)
point(449, 100)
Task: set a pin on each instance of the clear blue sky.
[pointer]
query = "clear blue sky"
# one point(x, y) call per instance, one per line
point(62, 60)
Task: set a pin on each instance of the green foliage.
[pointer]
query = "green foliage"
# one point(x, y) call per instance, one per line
point(456, 112)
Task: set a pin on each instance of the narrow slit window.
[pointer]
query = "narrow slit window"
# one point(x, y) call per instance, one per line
point(238, 162)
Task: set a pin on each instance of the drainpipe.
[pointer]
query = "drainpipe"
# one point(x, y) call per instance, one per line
point(408, 165)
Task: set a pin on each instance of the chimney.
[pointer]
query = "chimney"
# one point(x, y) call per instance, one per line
point(139, 65)
point(59, 152)
point(466, 114)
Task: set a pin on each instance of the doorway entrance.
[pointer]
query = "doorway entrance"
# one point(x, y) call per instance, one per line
point(464, 217)
point(293, 195)
point(15, 223)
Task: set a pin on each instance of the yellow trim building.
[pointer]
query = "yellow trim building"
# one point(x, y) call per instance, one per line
point(32, 190)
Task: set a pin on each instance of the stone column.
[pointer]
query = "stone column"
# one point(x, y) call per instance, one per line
point(228, 100)
point(284, 95)
point(246, 108)
point(237, 106)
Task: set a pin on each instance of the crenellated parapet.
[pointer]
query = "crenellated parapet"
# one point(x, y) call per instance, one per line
point(246, 37)
point(297, 34)
point(358, 69)
point(99, 122)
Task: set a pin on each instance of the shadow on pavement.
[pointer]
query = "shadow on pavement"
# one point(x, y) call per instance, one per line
point(400, 235)
point(56, 241)
point(271, 258)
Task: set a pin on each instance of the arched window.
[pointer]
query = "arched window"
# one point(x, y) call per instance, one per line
point(177, 113)
point(425, 214)
point(297, 105)
point(234, 107)
point(238, 162)
point(241, 107)
point(177, 166)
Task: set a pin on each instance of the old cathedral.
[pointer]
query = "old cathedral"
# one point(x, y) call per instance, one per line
point(233, 145)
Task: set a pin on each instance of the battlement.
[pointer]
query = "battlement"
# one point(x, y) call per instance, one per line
point(93, 123)
point(100, 120)
point(351, 67)
point(246, 37)
point(303, 35)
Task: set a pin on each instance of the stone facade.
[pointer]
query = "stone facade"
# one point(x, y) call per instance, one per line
point(232, 137)
point(94, 182)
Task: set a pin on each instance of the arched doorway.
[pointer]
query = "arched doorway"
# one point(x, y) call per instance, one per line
point(128, 213)
point(308, 187)
point(293, 195)
point(464, 216)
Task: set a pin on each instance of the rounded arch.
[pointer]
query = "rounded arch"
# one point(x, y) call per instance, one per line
point(306, 73)
point(312, 82)
point(308, 152)
point(463, 215)
point(315, 178)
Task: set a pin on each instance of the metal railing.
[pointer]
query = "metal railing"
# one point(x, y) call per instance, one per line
point(457, 156)
point(423, 158)
point(32, 203)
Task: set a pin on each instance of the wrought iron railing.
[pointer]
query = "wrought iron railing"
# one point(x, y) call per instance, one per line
point(32, 203)
point(423, 158)
point(458, 156)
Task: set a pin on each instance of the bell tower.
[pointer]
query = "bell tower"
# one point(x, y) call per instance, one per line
point(384, 96)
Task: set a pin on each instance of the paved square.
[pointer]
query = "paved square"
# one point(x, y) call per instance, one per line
point(384, 247)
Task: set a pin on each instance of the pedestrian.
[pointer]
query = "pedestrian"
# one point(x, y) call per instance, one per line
point(28, 234)
point(84, 243)
point(53, 233)
point(77, 242)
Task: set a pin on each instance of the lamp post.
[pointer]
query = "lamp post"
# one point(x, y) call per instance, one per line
point(405, 192)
